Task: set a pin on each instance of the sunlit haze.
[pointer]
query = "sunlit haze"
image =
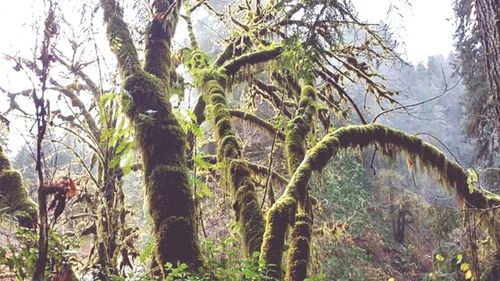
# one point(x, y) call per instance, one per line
point(420, 30)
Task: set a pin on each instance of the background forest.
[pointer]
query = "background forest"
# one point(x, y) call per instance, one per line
point(247, 140)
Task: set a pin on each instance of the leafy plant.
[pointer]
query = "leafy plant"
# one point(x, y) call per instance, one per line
point(20, 254)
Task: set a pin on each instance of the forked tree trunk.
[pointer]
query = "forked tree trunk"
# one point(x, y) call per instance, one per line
point(159, 136)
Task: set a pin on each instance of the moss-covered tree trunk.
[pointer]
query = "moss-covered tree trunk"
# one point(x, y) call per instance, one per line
point(14, 196)
point(158, 134)
point(272, 250)
point(237, 174)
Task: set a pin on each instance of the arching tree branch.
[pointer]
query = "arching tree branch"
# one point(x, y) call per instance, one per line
point(450, 174)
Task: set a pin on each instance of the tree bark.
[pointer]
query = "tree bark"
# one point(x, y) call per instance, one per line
point(159, 136)
point(488, 16)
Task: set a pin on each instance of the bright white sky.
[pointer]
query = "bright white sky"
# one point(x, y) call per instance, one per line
point(425, 28)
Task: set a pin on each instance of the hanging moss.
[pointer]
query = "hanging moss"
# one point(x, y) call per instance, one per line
point(299, 253)
point(14, 196)
point(451, 174)
point(266, 54)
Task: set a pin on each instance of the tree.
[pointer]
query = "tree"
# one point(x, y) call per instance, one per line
point(487, 13)
point(147, 105)
point(298, 58)
point(304, 57)
point(478, 66)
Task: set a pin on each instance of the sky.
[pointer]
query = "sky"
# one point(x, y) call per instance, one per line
point(423, 28)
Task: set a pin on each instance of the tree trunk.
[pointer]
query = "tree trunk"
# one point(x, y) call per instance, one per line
point(488, 16)
point(14, 196)
point(159, 136)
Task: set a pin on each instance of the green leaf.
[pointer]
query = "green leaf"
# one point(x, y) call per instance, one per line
point(201, 163)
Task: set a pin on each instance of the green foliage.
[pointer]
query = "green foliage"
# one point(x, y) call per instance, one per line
point(20, 254)
point(297, 60)
point(348, 203)
point(347, 190)
point(449, 264)
point(351, 264)
point(200, 187)
point(223, 263)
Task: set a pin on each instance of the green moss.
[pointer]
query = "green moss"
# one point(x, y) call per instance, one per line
point(223, 127)
point(180, 230)
point(299, 253)
point(279, 217)
point(127, 104)
point(229, 148)
point(249, 215)
point(119, 38)
point(158, 56)
point(298, 128)
point(14, 196)
point(162, 142)
point(323, 151)
point(237, 174)
point(347, 138)
point(392, 141)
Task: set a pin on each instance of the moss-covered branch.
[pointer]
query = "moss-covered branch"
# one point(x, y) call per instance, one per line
point(259, 172)
point(296, 133)
point(259, 56)
point(450, 174)
point(119, 38)
point(299, 253)
point(298, 128)
point(233, 49)
point(257, 121)
point(189, 22)
point(237, 174)
point(157, 59)
point(14, 196)
point(165, 168)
